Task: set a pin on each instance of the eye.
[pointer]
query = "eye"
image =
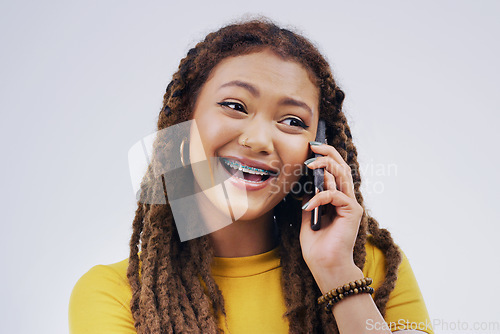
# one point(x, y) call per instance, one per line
point(294, 121)
point(233, 105)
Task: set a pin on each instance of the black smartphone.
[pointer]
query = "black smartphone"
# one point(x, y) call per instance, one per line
point(319, 179)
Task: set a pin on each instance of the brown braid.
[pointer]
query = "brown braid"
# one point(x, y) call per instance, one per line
point(169, 297)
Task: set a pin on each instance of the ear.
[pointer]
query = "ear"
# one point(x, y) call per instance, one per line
point(339, 97)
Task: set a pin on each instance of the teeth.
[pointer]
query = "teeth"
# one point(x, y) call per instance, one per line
point(246, 169)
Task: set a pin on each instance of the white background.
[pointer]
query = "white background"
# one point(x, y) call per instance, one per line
point(82, 81)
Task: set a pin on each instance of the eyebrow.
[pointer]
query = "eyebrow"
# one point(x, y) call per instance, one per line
point(292, 102)
point(287, 101)
point(251, 88)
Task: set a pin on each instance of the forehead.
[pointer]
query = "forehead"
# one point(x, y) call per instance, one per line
point(268, 71)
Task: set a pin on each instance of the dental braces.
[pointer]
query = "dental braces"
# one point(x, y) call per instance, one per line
point(244, 168)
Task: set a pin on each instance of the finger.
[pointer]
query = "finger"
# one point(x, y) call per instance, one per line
point(330, 183)
point(341, 201)
point(343, 177)
point(306, 199)
point(325, 149)
point(306, 218)
point(329, 150)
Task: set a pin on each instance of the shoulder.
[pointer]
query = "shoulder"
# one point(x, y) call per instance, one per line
point(375, 264)
point(406, 308)
point(103, 276)
point(100, 301)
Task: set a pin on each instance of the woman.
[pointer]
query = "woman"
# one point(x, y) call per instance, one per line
point(252, 94)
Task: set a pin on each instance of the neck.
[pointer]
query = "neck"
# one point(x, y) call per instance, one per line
point(245, 238)
point(239, 238)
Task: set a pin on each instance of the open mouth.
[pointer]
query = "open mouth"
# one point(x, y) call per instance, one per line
point(247, 173)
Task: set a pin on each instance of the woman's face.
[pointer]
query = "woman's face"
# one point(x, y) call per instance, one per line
point(254, 116)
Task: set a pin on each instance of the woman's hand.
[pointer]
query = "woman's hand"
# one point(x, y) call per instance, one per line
point(329, 251)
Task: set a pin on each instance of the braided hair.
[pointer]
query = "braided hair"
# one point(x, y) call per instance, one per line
point(173, 290)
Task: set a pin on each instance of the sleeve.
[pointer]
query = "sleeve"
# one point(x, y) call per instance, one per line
point(405, 309)
point(100, 303)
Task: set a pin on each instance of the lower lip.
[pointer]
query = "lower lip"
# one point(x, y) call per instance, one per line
point(244, 184)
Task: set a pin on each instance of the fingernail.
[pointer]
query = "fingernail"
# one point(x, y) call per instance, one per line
point(305, 206)
point(315, 143)
point(308, 161)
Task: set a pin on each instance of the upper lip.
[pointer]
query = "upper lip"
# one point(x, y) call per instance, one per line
point(253, 163)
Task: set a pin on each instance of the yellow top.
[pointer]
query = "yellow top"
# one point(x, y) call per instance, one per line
point(100, 301)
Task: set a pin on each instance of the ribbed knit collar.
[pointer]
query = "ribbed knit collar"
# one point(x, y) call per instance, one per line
point(247, 265)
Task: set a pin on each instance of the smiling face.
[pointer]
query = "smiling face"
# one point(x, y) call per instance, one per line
point(255, 115)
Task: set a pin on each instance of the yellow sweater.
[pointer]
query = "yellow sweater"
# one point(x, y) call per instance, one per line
point(100, 301)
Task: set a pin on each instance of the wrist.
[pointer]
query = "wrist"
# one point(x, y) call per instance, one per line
point(331, 278)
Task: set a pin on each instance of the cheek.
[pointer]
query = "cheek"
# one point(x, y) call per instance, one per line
point(293, 155)
point(213, 131)
point(206, 127)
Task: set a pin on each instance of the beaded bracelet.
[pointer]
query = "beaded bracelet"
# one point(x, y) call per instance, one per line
point(353, 288)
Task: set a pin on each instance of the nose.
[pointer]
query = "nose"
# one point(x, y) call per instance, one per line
point(257, 135)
